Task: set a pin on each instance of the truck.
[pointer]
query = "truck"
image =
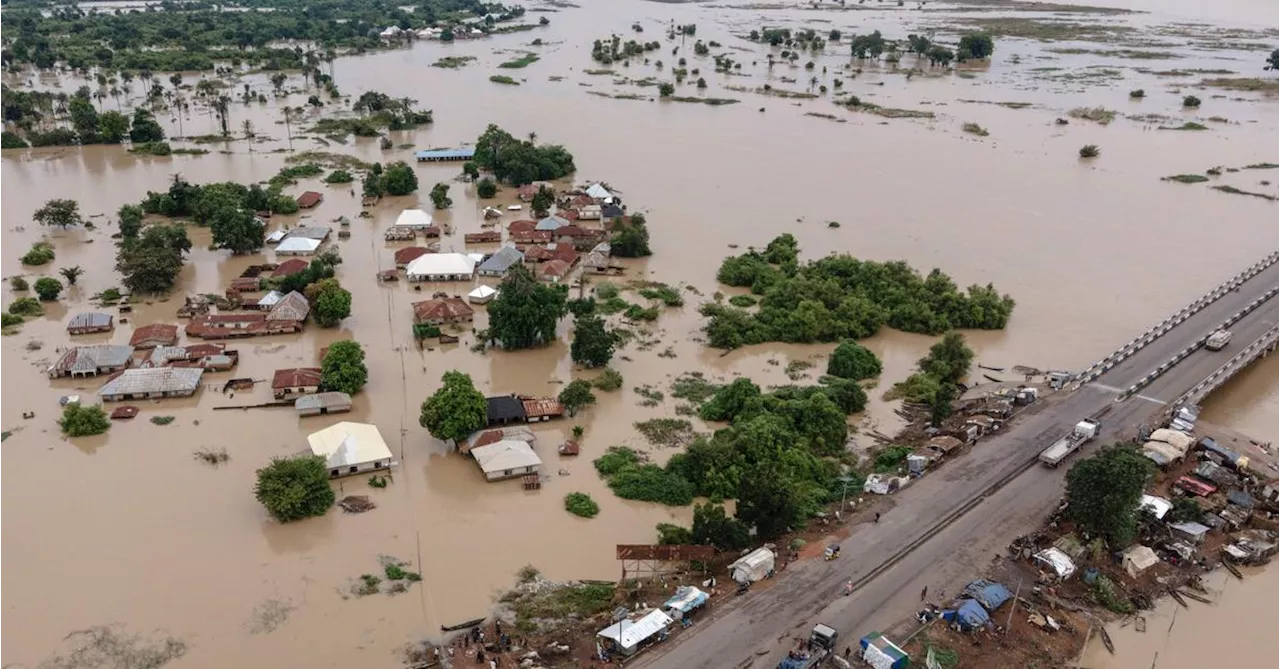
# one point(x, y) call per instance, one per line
point(1217, 340)
point(822, 642)
point(1058, 451)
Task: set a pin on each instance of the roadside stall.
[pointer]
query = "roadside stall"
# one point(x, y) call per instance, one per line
point(625, 637)
point(684, 603)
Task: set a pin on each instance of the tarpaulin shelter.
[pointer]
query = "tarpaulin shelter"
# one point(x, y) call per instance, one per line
point(627, 635)
point(988, 593)
point(1057, 561)
point(753, 566)
point(881, 653)
point(1158, 505)
point(1137, 559)
point(969, 615)
point(686, 599)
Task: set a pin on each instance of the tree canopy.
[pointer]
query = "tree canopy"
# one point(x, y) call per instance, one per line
point(576, 394)
point(47, 288)
point(331, 303)
point(975, 45)
point(525, 312)
point(592, 343)
point(1104, 492)
point(399, 179)
point(517, 161)
point(79, 420)
point(455, 410)
point(295, 488)
point(630, 237)
point(61, 212)
point(853, 361)
point(343, 369)
point(150, 262)
point(840, 297)
point(712, 526)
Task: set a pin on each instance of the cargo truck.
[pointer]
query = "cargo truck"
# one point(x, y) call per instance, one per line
point(1084, 431)
point(822, 642)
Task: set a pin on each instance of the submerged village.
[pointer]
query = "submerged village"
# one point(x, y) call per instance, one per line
point(329, 349)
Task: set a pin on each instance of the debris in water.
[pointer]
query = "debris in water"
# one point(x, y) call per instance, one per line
point(357, 504)
point(108, 646)
point(269, 615)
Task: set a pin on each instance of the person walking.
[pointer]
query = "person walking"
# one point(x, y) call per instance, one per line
point(924, 592)
point(877, 518)
point(847, 650)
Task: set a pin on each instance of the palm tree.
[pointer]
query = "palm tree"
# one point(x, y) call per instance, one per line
point(115, 94)
point(329, 56)
point(288, 114)
point(247, 125)
point(99, 95)
point(277, 81)
point(175, 79)
point(127, 76)
point(71, 273)
point(223, 107)
point(146, 79)
point(180, 104)
point(533, 137)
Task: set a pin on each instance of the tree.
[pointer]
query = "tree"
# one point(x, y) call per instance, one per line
point(666, 89)
point(711, 526)
point(150, 263)
point(113, 127)
point(1104, 492)
point(61, 212)
point(1191, 101)
point(343, 369)
point(130, 220)
point(542, 200)
point(84, 118)
point(295, 488)
point(455, 410)
point(517, 162)
point(853, 361)
point(235, 229)
point(940, 406)
point(940, 55)
point(581, 504)
point(592, 344)
point(440, 196)
point(674, 535)
point(47, 288)
point(948, 360)
point(977, 45)
point(332, 303)
point(399, 179)
point(71, 274)
point(767, 500)
point(1273, 61)
point(469, 168)
point(526, 311)
point(339, 177)
point(1090, 151)
point(576, 394)
point(630, 237)
point(79, 420)
point(486, 188)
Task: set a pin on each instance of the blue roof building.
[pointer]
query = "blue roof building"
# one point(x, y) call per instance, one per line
point(434, 155)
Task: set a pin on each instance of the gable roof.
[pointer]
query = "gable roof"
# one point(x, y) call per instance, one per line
point(554, 268)
point(599, 192)
point(413, 218)
point(298, 245)
point(90, 319)
point(291, 307)
point(408, 254)
point(435, 264)
point(502, 260)
point(348, 443)
point(441, 308)
point(295, 377)
point(154, 333)
point(522, 226)
point(505, 407)
point(504, 455)
point(309, 199)
point(91, 358)
point(308, 232)
point(153, 380)
point(552, 223)
point(289, 267)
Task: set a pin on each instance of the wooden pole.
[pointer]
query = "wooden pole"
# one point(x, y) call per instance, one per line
point(1009, 622)
point(1087, 635)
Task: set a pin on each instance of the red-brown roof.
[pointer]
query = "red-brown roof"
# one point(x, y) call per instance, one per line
point(155, 334)
point(442, 309)
point(582, 200)
point(538, 407)
point(309, 199)
point(126, 411)
point(246, 283)
point(532, 237)
point(522, 226)
point(573, 231)
point(289, 267)
point(555, 268)
point(231, 318)
point(297, 377)
point(482, 237)
point(568, 214)
point(408, 254)
point(564, 253)
point(202, 350)
point(536, 254)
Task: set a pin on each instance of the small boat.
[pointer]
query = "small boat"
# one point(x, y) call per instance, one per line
point(1177, 597)
point(1140, 624)
point(991, 378)
point(1106, 641)
point(991, 369)
point(513, 207)
point(1191, 595)
point(1234, 571)
point(462, 626)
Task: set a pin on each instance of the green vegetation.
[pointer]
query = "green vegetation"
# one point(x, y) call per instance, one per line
point(889, 460)
point(519, 162)
point(1186, 178)
point(593, 344)
point(453, 62)
point(553, 604)
point(1188, 125)
point(1190, 102)
point(330, 302)
point(455, 410)
point(839, 297)
point(694, 387)
point(1137, 94)
point(1236, 191)
point(18, 284)
point(12, 140)
point(79, 420)
point(526, 311)
point(61, 212)
point(30, 112)
point(395, 570)
point(339, 177)
point(440, 196)
point(975, 129)
point(1104, 492)
point(47, 288)
point(609, 380)
point(486, 188)
point(1241, 84)
point(9, 320)
point(668, 432)
point(1185, 509)
point(742, 301)
point(162, 420)
point(630, 237)
point(1090, 151)
point(629, 478)
point(581, 504)
point(40, 253)
point(975, 45)
point(523, 61)
point(711, 102)
point(946, 364)
point(343, 368)
point(576, 394)
point(295, 488)
point(1105, 592)
point(503, 79)
point(852, 361)
point(615, 50)
point(26, 307)
point(153, 149)
point(1095, 114)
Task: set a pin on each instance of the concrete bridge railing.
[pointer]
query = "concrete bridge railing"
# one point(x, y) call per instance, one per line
point(1104, 365)
point(1260, 348)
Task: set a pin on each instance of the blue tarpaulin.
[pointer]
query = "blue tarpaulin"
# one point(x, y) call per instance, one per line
point(989, 594)
point(686, 599)
point(970, 615)
point(881, 653)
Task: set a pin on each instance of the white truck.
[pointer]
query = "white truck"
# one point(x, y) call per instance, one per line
point(1218, 340)
point(1058, 451)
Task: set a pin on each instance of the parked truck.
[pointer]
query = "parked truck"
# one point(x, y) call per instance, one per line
point(1058, 451)
point(1218, 340)
point(822, 642)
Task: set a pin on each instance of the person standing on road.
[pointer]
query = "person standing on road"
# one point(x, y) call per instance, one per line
point(847, 650)
point(924, 592)
point(877, 517)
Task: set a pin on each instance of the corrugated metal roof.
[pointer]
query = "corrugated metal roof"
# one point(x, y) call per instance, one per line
point(502, 260)
point(90, 319)
point(330, 400)
point(413, 218)
point(298, 245)
point(349, 443)
point(441, 264)
point(308, 232)
point(154, 380)
point(91, 358)
point(629, 634)
point(504, 455)
point(446, 154)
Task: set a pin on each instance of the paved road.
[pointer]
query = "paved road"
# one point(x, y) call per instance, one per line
point(755, 630)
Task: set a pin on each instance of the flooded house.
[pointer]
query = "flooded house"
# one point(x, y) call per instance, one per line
point(486, 237)
point(211, 357)
point(351, 448)
point(537, 409)
point(554, 271)
point(84, 361)
point(322, 404)
point(416, 220)
point(506, 459)
point(153, 383)
point(289, 268)
point(505, 409)
point(153, 335)
point(482, 294)
point(502, 260)
point(294, 382)
point(90, 322)
point(441, 155)
point(297, 246)
point(309, 199)
point(442, 310)
point(316, 232)
point(287, 316)
point(552, 223)
point(245, 284)
point(442, 267)
point(409, 254)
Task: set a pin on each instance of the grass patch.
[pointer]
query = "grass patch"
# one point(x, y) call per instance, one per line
point(597, 73)
point(609, 380)
point(714, 102)
point(661, 291)
point(337, 161)
point(1010, 105)
point(152, 149)
point(162, 420)
point(1241, 83)
point(774, 92)
point(453, 62)
point(556, 605)
point(190, 152)
point(503, 79)
point(975, 129)
point(796, 369)
point(1189, 125)
point(1095, 114)
point(580, 504)
point(212, 457)
point(742, 301)
point(668, 432)
point(693, 386)
point(1236, 191)
point(1186, 178)
point(1046, 29)
point(523, 61)
point(1260, 166)
point(650, 396)
point(855, 104)
point(636, 312)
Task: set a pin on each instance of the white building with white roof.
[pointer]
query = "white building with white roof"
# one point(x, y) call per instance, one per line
point(297, 246)
point(506, 459)
point(351, 448)
point(441, 267)
point(413, 219)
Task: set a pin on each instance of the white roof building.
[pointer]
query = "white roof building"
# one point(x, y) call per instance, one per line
point(271, 299)
point(506, 458)
point(275, 237)
point(351, 448)
point(441, 267)
point(599, 192)
point(627, 635)
point(298, 246)
point(482, 294)
point(414, 219)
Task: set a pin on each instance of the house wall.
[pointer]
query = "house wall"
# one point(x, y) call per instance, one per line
point(509, 473)
point(376, 465)
point(295, 391)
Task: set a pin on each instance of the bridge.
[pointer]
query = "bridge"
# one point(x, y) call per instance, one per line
point(945, 528)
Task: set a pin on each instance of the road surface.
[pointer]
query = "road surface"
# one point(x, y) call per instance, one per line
point(756, 629)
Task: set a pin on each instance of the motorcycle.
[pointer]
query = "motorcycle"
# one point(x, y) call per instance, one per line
point(832, 552)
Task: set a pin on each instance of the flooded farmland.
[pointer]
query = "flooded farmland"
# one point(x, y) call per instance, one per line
point(128, 528)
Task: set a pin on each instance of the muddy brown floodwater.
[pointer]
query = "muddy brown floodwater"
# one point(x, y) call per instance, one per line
point(128, 528)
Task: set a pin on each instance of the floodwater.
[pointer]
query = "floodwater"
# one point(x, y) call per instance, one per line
point(128, 528)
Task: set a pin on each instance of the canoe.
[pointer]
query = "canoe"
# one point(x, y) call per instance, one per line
point(1106, 640)
point(462, 626)
point(1234, 571)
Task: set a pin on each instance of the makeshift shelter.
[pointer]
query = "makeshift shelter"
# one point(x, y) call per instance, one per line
point(969, 615)
point(1137, 559)
point(1162, 453)
point(625, 636)
point(753, 566)
point(1157, 505)
point(987, 593)
point(1190, 531)
point(883, 484)
point(1056, 561)
point(881, 653)
point(686, 599)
